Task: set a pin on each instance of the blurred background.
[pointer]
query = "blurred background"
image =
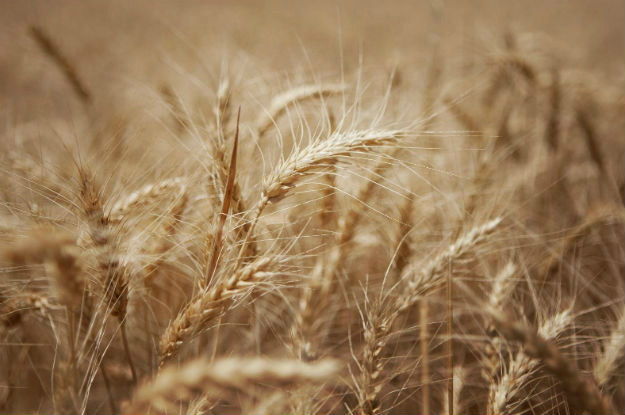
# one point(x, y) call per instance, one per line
point(117, 43)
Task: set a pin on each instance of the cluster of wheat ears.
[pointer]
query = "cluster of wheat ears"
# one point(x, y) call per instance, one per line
point(370, 242)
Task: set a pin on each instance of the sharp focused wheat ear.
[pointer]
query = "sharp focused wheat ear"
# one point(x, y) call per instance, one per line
point(421, 281)
point(222, 167)
point(223, 377)
point(208, 305)
point(317, 156)
point(321, 153)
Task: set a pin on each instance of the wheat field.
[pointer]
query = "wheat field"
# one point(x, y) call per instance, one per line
point(327, 207)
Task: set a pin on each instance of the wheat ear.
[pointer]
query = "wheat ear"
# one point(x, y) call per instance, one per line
point(12, 309)
point(582, 394)
point(223, 376)
point(501, 288)
point(420, 282)
point(318, 155)
point(208, 304)
point(503, 392)
point(148, 194)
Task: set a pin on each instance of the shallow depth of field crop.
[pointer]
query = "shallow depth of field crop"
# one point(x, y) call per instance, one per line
point(213, 207)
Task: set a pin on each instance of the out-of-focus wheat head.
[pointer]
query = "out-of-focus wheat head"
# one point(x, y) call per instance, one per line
point(447, 238)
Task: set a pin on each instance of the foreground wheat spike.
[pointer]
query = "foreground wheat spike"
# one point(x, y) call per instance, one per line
point(318, 155)
point(206, 306)
point(582, 394)
point(420, 282)
point(322, 153)
point(222, 165)
point(114, 274)
point(226, 375)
